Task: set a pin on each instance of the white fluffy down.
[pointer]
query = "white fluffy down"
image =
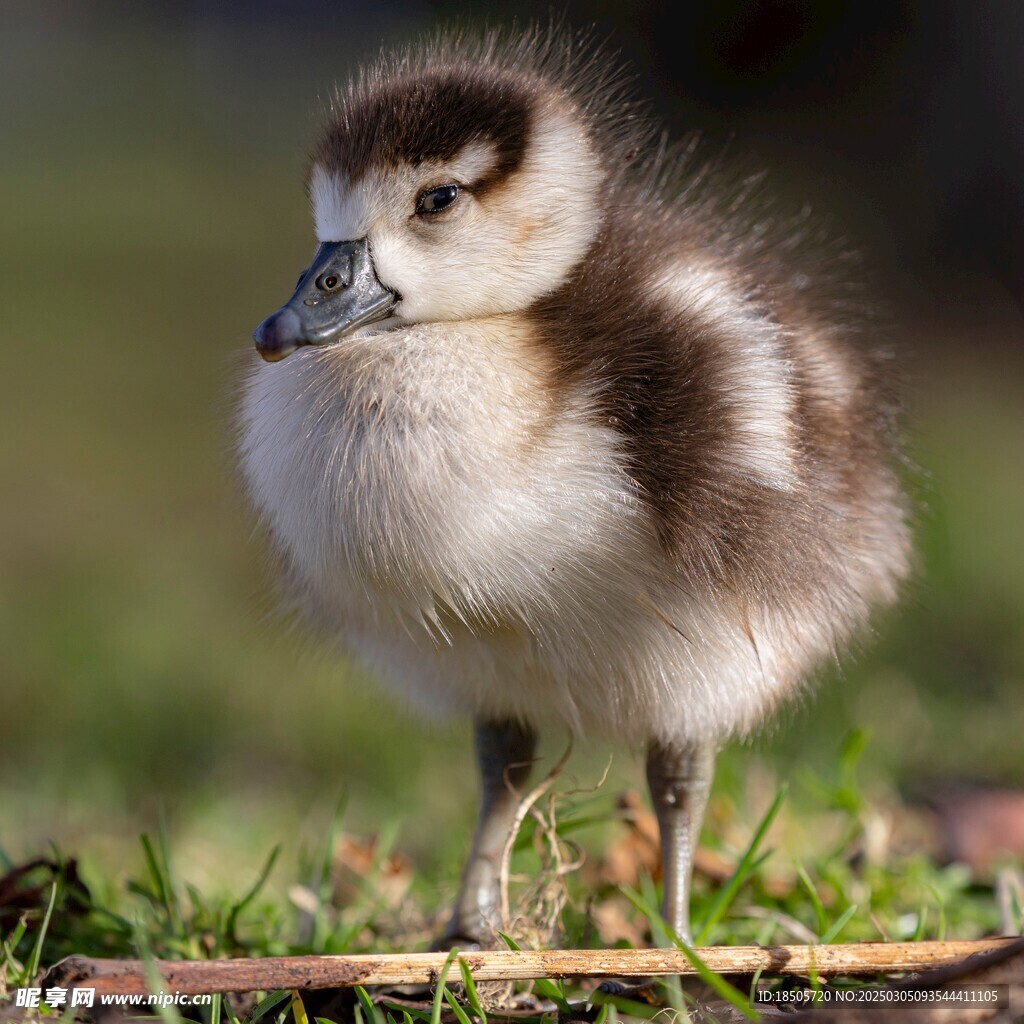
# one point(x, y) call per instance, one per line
point(481, 551)
point(481, 558)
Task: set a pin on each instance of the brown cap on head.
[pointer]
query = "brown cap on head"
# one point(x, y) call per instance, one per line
point(430, 115)
point(429, 103)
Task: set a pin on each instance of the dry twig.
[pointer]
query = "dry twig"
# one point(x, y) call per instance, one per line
point(313, 972)
point(525, 805)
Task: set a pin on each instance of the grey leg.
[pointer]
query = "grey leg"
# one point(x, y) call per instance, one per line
point(679, 778)
point(503, 750)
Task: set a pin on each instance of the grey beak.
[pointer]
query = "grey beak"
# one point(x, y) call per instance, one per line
point(338, 294)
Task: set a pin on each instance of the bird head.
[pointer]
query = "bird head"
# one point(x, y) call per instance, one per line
point(453, 184)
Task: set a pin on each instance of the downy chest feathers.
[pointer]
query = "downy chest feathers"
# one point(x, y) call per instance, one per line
point(425, 468)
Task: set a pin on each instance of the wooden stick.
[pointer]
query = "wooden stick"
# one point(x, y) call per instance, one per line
point(196, 977)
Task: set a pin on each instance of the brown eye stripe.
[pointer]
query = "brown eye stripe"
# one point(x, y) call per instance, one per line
point(430, 116)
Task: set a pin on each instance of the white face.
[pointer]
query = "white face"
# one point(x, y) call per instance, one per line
point(482, 254)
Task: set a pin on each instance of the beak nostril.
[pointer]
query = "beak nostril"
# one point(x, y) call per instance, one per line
point(337, 276)
point(330, 282)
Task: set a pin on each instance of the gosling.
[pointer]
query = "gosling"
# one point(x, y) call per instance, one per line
point(561, 426)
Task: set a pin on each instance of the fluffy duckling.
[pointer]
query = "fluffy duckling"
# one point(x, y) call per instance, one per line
point(569, 432)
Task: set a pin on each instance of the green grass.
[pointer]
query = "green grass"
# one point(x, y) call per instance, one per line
point(829, 892)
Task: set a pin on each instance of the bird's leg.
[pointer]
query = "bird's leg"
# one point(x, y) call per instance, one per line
point(679, 777)
point(504, 752)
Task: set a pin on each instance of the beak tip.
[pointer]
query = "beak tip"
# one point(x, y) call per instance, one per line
point(272, 355)
point(278, 336)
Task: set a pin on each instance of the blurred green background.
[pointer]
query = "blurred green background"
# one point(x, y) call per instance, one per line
point(151, 170)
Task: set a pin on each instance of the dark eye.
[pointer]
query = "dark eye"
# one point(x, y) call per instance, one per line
point(434, 200)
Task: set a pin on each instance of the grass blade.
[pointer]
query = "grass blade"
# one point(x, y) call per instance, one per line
point(298, 1008)
point(471, 994)
point(746, 867)
point(268, 1003)
point(408, 1015)
point(36, 956)
point(156, 982)
point(155, 874)
point(710, 978)
point(663, 935)
point(840, 923)
point(12, 968)
point(545, 986)
point(371, 1011)
point(720, 986)
point(459, 1012)
point(922, 919)
point(237, 908)
point(322, 884)
point(812, 892)
point(174, 907)
point(435, 1012)
point(524, 840)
